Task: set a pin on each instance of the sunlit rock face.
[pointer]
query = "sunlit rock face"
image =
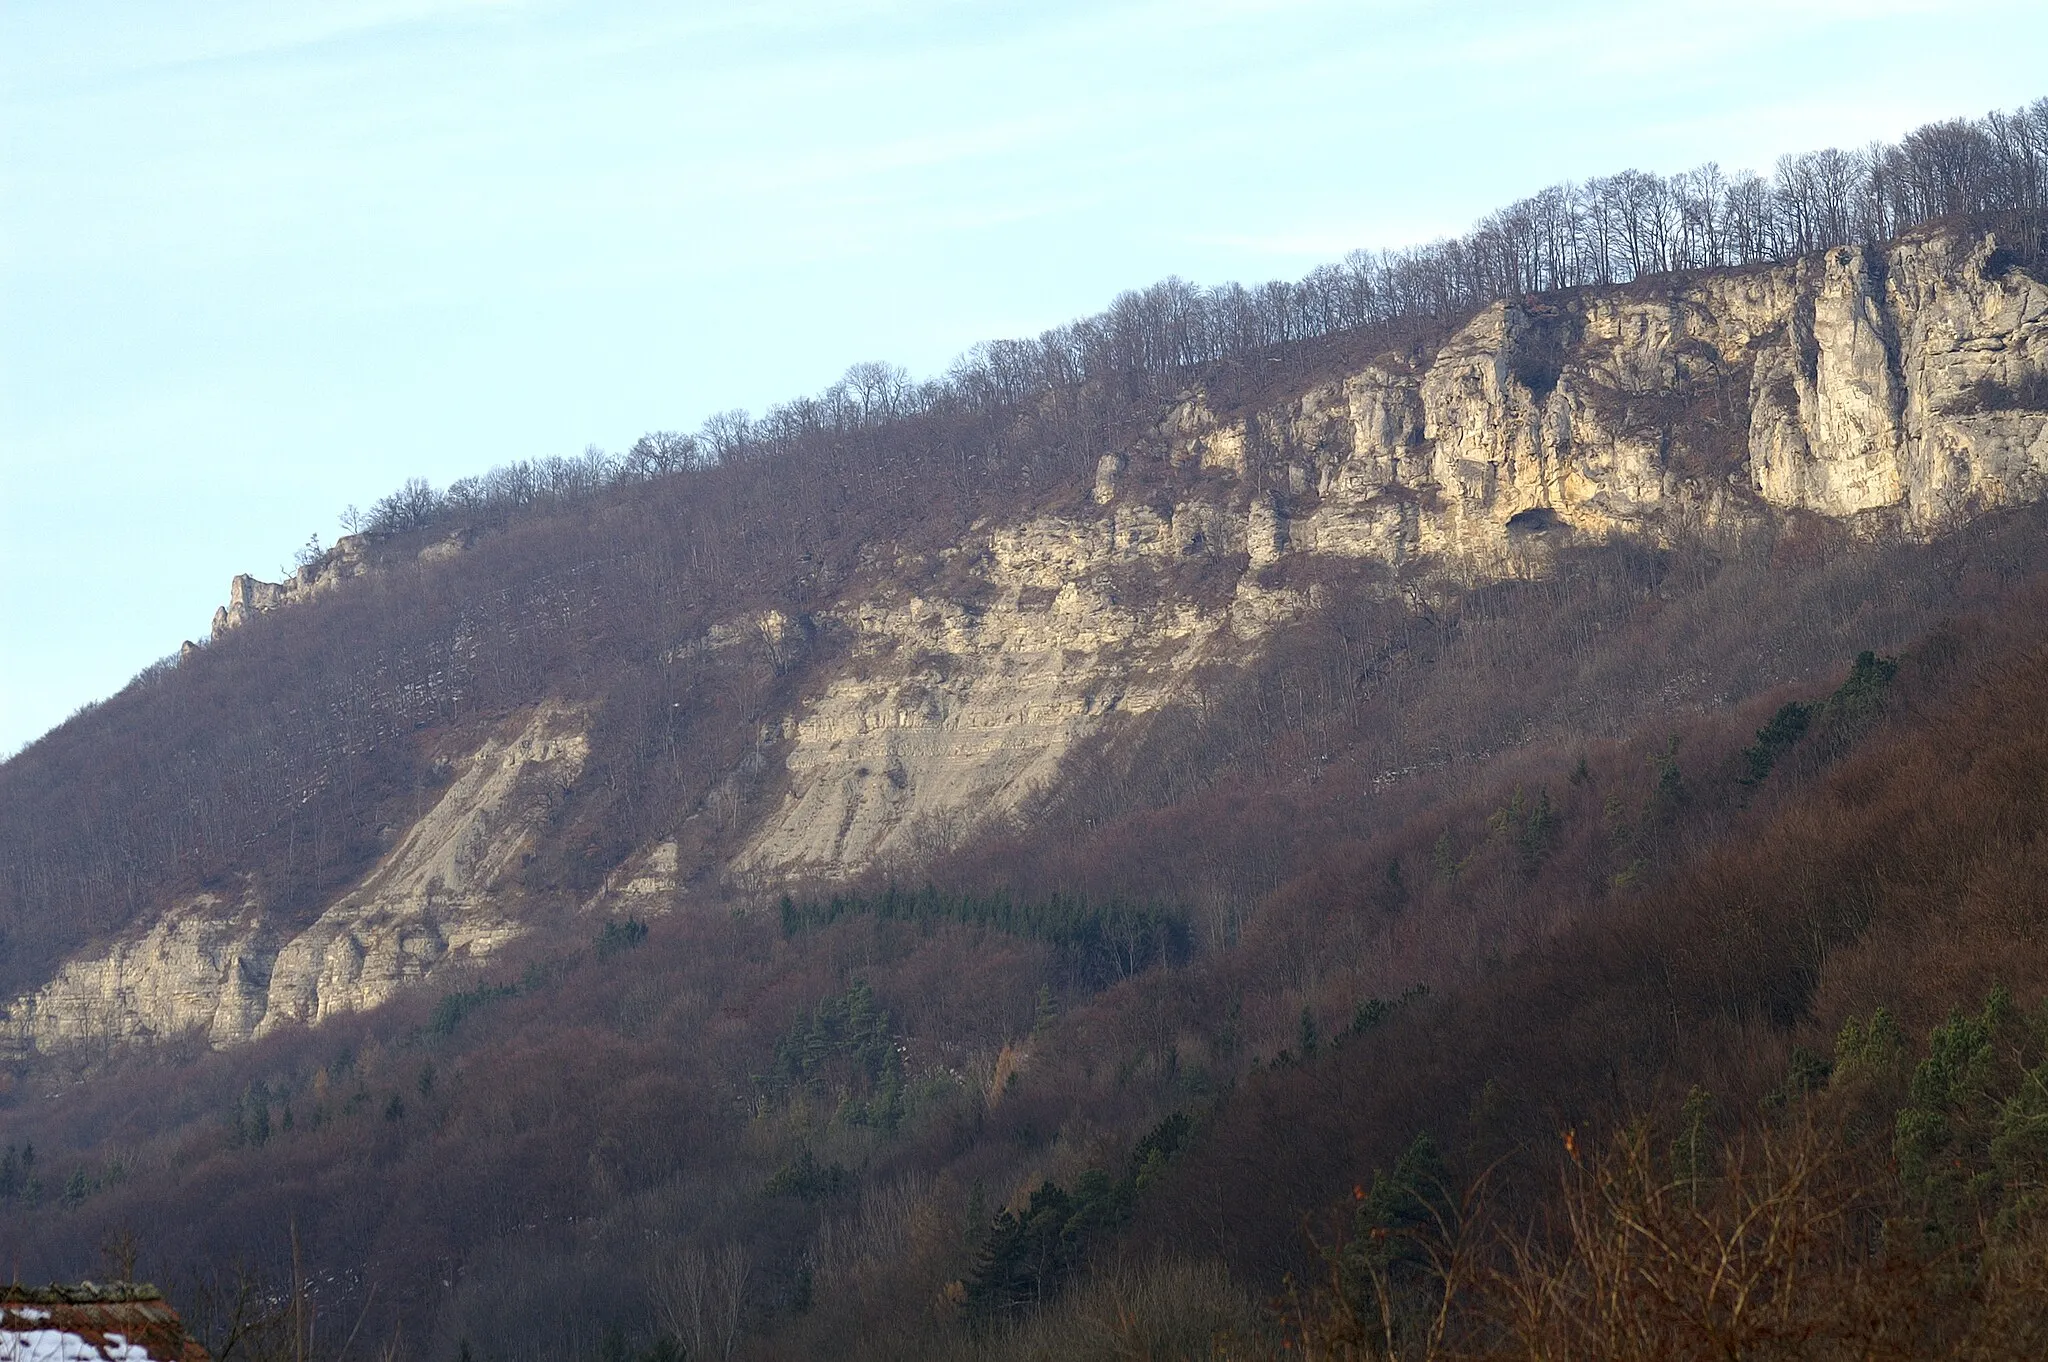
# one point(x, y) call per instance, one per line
point(1973, 362)
point(956, 710)
point(1894, 387)
point(1850, 384)
point(1896, 391)
point(351, 557)
point(250, 596)
point(204, 966)
point(1870, 387)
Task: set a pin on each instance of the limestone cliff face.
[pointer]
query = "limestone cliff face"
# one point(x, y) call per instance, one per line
point(1895, 390)
point(1856, 385)
point(436, 895)
point(204, 966)
point(225, 971)
point(957, 709)
point(1871, 387)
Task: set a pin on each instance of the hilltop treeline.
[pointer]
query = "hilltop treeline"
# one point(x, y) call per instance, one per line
point(1609, 229)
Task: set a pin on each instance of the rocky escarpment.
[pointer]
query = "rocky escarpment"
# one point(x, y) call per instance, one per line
point(351, 557)
point(224, 970)
point(250, 596)
point(1878, 388)
point(959, 705)
point(1894, 391)
point(1874, 387)
point(1883, 388)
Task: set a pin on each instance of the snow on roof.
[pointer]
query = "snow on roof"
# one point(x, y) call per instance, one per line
point(118, 1322)
point(55, 1345)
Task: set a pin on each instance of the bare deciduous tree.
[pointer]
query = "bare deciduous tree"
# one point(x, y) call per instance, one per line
point(700, 1298)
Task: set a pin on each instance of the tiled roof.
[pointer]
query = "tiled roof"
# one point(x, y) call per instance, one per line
point(113, 1322)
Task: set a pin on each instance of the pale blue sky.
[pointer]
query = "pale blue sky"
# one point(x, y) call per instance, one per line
point(261, 260)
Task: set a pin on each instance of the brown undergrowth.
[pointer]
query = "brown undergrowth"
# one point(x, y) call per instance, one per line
point(1796, 1246)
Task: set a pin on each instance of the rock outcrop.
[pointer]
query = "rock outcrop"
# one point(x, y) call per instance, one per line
point(1858, 385)
point(250, 596)
point(645, 886)
point(955, 710)
point(223, 970)
point(351, 557)
point(1872, 387)
point(202, 967)
point(437, 895)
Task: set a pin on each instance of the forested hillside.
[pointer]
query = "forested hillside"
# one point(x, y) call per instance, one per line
point(1420, 812)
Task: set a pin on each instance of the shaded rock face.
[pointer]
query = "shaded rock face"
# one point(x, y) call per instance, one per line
point(223, 971)
point(1897, 391)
